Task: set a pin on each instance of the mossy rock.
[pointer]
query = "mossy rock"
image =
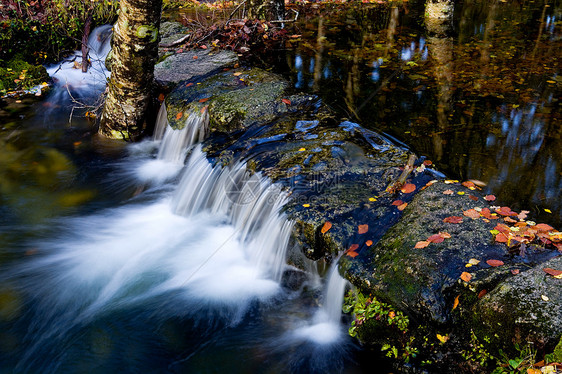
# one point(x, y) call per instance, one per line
point(17, 74)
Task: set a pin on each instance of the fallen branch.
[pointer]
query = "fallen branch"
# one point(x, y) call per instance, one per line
point(177, 42)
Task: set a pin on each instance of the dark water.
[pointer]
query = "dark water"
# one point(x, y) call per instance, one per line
point(479, 93)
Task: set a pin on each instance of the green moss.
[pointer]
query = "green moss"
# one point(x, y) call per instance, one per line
point(16, 74)
point(555, 356)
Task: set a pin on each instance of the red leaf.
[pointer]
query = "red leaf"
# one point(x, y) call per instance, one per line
point(353, 247)
point(352, 254)
point(553, 272)
point(543, 227)
point(161, 97)
point(189, 85)
point(401, 207)
point(195, 57)
point(203, 100)
point(435, 238)
point(408, 188)
point(204, 109)
point(501, 238)
point(506, 211)
point(286, 101)
point(472, 197)
point(482, 293)
point(397, 202)
point(362, 229)
point(327, 226)
point(468, 184)
point(494, 263)
point(428, 162)
point(453, 219)
point(489, 198)
point(515, 271)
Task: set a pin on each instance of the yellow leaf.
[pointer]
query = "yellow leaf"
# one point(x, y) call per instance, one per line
point(544, 297)
point(302, 149)
point(456, 303)
point(443, 338)
point(548, 210)
point(372, 199)
point(473, 261)
point(306, 205)
point(237, 73)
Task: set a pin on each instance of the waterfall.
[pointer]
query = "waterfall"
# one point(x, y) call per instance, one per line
point(333, 295)
point(251, 203)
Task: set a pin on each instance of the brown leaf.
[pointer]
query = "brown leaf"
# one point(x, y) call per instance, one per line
point(397, 202)
point(482, 293)
point(468, 184)
point(501, 238)
point(422, 244)
point(472, 197)
point(361, 229)
point(494, 263)
point(471, 213)
point(403, 206)
point(203, 100)
point(327, 226)
point(448, 192)
point(408, 188)
point(553, 272)
point(466, 276)
point(515, 271)
point(353, 247)
point(506, 211)
point(489, 198)
point(453, 219)
point(444, 234)
point(161, 97)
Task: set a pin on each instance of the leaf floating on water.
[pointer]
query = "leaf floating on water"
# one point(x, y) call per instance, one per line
point(422, 244)
point(353, 247)
point(361, 229)
point(369, 243)
point(397, 202)
point(548, 210)
point(286, 101)
point(352, 254)
point(403, 206)
point(448, 192)
point(555, 273)
point(161, 97)
point(189, 84)
point(408, 188)
point(428, 162)
point(466, 276)
point(306, 205)
point(494, 263)
point(501, 238)
point(351, 251)
point(179, 115)
point(523, 214)
point(327, 226)
point(506, 211)
point(453, 219)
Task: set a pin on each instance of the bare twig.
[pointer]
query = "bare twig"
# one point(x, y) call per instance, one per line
point(177, 42)
point(236, 9)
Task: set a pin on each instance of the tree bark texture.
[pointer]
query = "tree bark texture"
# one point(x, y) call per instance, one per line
point(269, 10)
point(134, 53)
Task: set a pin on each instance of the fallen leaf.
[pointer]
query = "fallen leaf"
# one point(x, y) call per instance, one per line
point(544, 297)
point(489, 198)
point(238, 73)
point(428, 162)
point(161, 97)
point(555, 273)
point(460, 193)
point(494, 263)
point(482, 293)
point(473, 261)
point(203, 46)
point(369, 243)
point(306, 205)
point(533, 371)
point(286, 101)
point(456, 302)
point(189, 85)
point(472, 197)
point(515, 271)
point(327, 226)
point(506, 211)
point(453, 219)
point(445, 234)
point(204, 109)
point(179, 115)
point(203, 100)
point(302, 149)
point(435, 238)
point(548, 210)
point(523, 214)
point(408, 188)
point(401, 207)
point(352, 254)
point(195, 57)
point(451, 181)
point(391, 314)
point(471, 213)
point(468, 184)
point(448, 192)
point(510, 220)
point(443, 338)
point(543, 227)
point(466, 276)
point(397, 202)
point(353, 247)
point(361, 229)
point(422, 244)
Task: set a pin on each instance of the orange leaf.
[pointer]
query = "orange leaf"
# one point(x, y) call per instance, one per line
point(468, 184)
point(179, 115)
point(362, 229)
point(510, 220)
point(515, 271)
point(352, 254)
point(489, 198)
point(471, 213)
point(195, 57)
point(553, 272)
point(482, 293)
point(506, 211)
point(427, 162)
point(466, 276)
point(238, 73)
point(422, 244)
point(456, 303)
point(494, 263)
point(444, 234)
point(353, 247)
point(448, 192)
point(369, 243)
point(397, 202)
point(408, 188)
point(203, 46)
point(401, 207)
point(453, 219)
point(327, 226)
point(204, 109)
point(286, 101)
point(543, 227)
point(161, 97)
point(501, 238)
point(435, 238)
point(189, 84)
point(203, 100)
point(472, 197)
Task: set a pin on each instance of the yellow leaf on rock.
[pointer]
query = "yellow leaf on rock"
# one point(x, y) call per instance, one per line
point(443, 338)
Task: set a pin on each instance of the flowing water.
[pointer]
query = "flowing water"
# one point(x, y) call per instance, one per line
point(147, 258)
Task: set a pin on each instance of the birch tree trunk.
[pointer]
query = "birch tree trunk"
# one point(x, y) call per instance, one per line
point(134, 53)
